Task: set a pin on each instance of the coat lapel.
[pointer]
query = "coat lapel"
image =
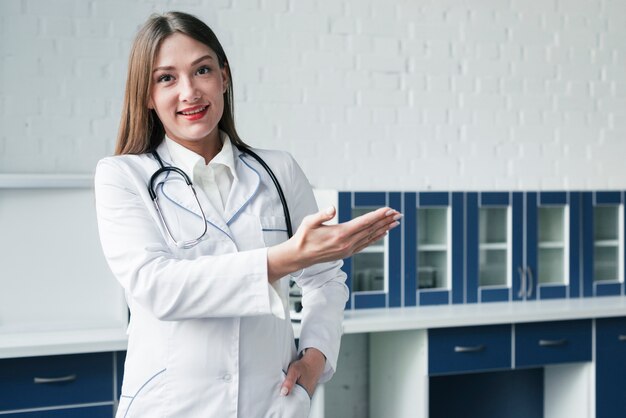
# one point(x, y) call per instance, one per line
point(176, 190)
point(244, 188)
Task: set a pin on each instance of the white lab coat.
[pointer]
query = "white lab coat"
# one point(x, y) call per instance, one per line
point(202, 339)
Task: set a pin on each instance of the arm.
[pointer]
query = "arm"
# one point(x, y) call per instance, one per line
point(323, 285)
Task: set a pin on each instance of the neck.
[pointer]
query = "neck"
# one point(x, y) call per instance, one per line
point(207, 148)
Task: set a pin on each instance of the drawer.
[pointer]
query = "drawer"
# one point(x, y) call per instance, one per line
point(34, 382)
point(91, 412)
point(541, 343)
point(468, 349)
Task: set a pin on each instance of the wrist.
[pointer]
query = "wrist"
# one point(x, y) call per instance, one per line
point(282, 259)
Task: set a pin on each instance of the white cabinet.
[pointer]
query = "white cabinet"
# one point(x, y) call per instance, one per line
point(56, 285)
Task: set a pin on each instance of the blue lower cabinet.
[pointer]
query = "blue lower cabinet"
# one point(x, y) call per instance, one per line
point(611, 368)
point(105, 411)
point(120, 358)
point(506, 393)
point(37, 382)
point(543, 343)
point(469, 349)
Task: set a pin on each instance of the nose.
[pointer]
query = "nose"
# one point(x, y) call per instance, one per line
point(188, 90)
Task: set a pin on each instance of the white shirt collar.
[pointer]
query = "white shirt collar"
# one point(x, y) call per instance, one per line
point(187, 160)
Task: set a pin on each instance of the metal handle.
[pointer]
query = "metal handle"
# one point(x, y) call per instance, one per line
point(552, 343)
point(522, 279)
point(621, 338)
point(465, 349)
point(531, 282)
point(44, 380)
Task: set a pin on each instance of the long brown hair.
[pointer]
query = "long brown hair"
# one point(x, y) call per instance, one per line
point(141, 129)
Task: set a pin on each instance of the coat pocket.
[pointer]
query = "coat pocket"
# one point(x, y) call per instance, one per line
point(144, 401)
point(274, 229)
point(297, 404)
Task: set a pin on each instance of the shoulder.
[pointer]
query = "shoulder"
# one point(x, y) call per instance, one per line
point(124, 168)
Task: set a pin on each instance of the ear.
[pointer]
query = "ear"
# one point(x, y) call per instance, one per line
point(225, 78)
point(150, 103)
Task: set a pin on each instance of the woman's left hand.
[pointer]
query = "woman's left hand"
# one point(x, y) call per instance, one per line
point(306, 371)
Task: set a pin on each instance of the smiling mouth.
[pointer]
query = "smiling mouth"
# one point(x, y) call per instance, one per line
point(194, 111)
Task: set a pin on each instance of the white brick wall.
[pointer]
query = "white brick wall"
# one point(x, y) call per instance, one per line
point(367, 94)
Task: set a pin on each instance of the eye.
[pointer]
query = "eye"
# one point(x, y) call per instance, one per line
point(204, 70)
point(165, 78)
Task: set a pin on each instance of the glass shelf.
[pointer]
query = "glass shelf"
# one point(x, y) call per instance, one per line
point(552, 261)
point(368, 266)
point(493, 246)
point(433, 256)
point(606, 243)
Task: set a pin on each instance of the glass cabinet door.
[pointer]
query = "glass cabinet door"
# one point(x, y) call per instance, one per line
point(374, 274)
point(489, 249)
point(369, 266)
point(603, 232)
point(494, 244)
point(552, 246)
point(433, 241)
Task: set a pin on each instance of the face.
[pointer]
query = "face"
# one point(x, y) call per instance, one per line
point(187, 91)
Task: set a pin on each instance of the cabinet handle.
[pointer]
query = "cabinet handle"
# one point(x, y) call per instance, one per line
point(622, 337)
point(522, 279)
point(552, 343)
point(471, 349)
point(43, 380)
point(531, 282)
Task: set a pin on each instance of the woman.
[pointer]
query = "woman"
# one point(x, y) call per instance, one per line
point(205, 273)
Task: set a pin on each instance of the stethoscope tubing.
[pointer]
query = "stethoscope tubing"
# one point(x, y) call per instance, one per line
point(163, 169)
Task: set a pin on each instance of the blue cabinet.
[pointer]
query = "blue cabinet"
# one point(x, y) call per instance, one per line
point(522, 246)
point(38, 382)
point(374, 276)
point(611, 368)
point(434, 270)
point(603, 231)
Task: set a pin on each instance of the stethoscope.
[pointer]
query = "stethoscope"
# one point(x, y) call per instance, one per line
point(168, 169)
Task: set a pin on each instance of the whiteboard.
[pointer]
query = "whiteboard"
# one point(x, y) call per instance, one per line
point(53, 275)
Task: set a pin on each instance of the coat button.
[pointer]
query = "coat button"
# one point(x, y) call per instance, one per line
point(227, 377)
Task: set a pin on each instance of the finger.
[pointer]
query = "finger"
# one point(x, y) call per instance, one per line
point(374, 236)
point(292, 376)
point(384, 214)
point(382, 226)
point(320, 217)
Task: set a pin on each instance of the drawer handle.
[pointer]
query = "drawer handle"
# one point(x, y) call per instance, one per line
point(472, 349)
point(552, 343)
point(44, 380)
point(622, 337)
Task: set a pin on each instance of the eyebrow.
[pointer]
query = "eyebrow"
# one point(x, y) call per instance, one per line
point(169, 67)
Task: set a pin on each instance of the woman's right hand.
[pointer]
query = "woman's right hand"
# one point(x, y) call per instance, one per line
point(314, 242)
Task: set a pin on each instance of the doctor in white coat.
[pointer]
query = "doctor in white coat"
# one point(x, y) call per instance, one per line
point(206, 279)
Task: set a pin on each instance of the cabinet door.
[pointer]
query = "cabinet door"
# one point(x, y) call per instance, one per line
point(611, 368)
point(34, 382)
point(433, 248)
point(469, 349)
point(490, 232)
point(374, 275)
point(603, 243)
point(552, 245)
point(554, 342)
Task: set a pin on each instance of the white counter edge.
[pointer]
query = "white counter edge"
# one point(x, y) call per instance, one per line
point(359, 321)
point(62, 342)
